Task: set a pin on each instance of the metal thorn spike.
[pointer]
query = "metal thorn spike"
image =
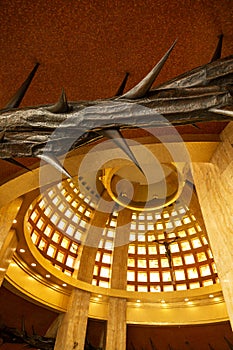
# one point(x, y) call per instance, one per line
point(116, 136)
point(19, 95)
point(141, 89)
point(121, 88)
point(52, 160)
point(218, 50)
point(17, 163)
point(61, 106)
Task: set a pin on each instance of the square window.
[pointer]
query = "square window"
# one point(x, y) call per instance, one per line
point(56, 237)
point(104, 272)
point(166, 276)
point(65, 242)
point(168, 288)
point(48, 231)
point(152, 250)
point(60, 257)
point(194, 285)
point(180, 275)
point(141, 263)
point(131, 262)
point(201, 257)
point(106, 258)
point(192, 273)
point(205, 270)
point(177, 261)
point(130, 276)
point(131, 249)
point(104, 284)
point(142, 289)
point(185, 246)
point(70, 261)
point(141, 250)
point(142, 277)
point(181, 287)
point(154, 277)
point(62, 224)
point(35, 238)
point(51, 251)
point(164, 263)
point(130, 288)
point(153, 263)
point(196, 243)
point(189, 259)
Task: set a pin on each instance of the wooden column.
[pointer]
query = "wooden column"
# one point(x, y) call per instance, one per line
point(8, 237)
point(72, 332)
point(214, 184)
point(116, 326)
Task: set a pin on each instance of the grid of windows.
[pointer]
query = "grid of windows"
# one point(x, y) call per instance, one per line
point(103, 261)
point(58, 222)
point(191, 263)
point(167, 250)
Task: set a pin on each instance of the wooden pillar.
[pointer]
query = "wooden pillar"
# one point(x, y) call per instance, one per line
point(72, 331)
point(116, 326)
point(8, 237)
point(214, 184)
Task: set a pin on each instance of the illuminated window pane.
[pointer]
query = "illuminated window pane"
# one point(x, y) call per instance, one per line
point(159, 226)
point(186, 220)
point(106, 258)
point(130, 276)
point(65, 242)
point(194, 285)
point(142, 289)
point(141, 238)
point(108, 245)
point(42, 245)
point(62, 224)
point(177, 261)
point(34, 216)
point(179, 275)
point(78, 235)
point(132, 237)
point(60, 257)
point(154, 277)
point(181, 287)
point(164, 263)
point(191, 231)
point(61, 207)
point(153, 263)
point(141, 250)
point(201, 256)
point(166, 276)
point(56, 237)
point(174, 247)
point(168, 288)
point(142, 276)
point(214, 267)
point(70, 261)
point(76, 219)
point(98, 256)
point(141, 227)
point(207, 283)
point(130, 288)
point(189, 259)
point(185, 246)
point(192, 273)
point(182, 233)
point(105, 272)
point(74, 248)
point(204, 240)
point(131, 262)
point(48, 211)
point(48, 231)
point(152, 249)
point(70, 230)
point(142, 263)
point(205, 270)
point(196, 243)
point(104, 284)
point(110, 233)
point(69, 213)
point(96, 270)
point(51, 251)
point(155, 289)
point(40, 223)
point(55, 219)
point(133, 226)
point(35, 238)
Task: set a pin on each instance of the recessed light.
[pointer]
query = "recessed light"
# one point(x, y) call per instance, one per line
point(186, 299)
point(47, 276)
point(64, 285)
point(22, 250)
point(138, 301)
point(211, 296)
point(14, 221)
point(33, 264)
point(163, 301)
point(99, 295)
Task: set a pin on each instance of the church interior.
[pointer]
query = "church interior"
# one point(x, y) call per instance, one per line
point(128, 244)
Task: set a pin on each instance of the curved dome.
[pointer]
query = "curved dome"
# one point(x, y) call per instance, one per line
point(168, 249)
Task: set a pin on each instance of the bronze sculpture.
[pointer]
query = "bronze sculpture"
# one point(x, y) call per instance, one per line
point(201, 95)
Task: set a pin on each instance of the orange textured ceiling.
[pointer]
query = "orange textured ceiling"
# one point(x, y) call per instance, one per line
point(87, 46)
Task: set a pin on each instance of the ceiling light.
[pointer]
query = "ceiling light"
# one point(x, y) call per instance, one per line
point(163, 301)
point(64, 285)
point(186, 299)
point(47, 276)
point(22, 250)
point(33, 264)
point(211, 296)
point(14, 221)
